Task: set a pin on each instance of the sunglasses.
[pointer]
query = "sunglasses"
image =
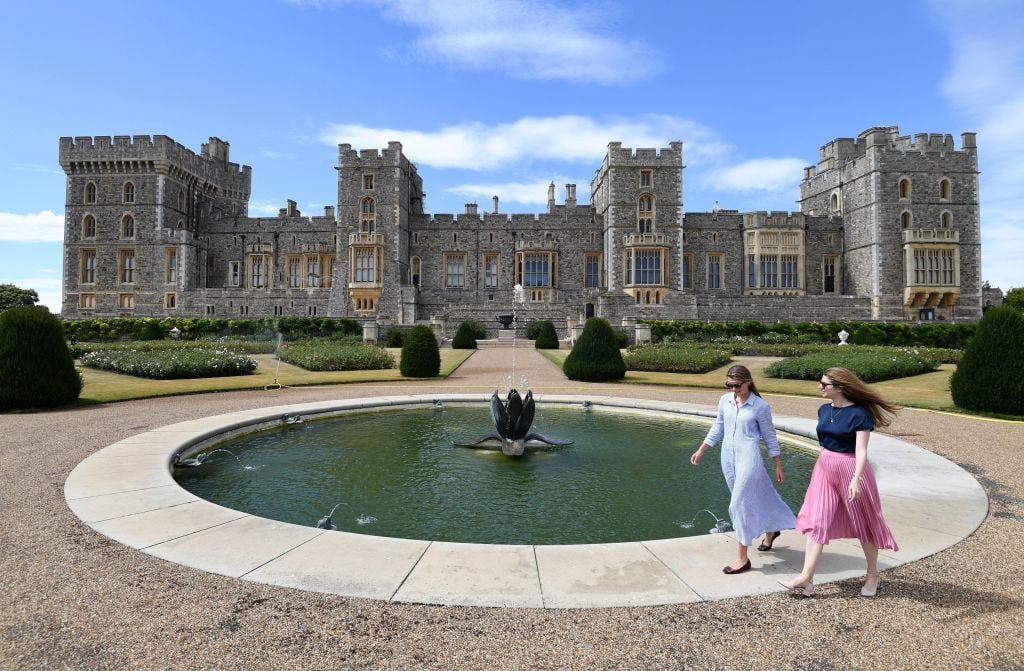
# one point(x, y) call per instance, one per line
point(734, 385)
point(826, 384)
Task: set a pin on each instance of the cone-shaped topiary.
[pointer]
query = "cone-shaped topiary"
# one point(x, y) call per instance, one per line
point(465, 337)
point(596, 355)
point(36, 368)
point(546, 338)
point(420, 355)
point(990, 374)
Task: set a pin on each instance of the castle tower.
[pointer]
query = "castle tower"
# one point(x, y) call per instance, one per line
point(638, 197)
point(135, 210)
point(911, 220)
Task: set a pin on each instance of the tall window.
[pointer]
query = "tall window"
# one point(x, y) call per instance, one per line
point(948, 261)
point(687, 271)
point(127, 266)
point(790, 265)
point(89, 226)
point(945, 189)
point(294, 272)
point(833, 205)
point(645, 179)
point(367, 216)
point(644, 266)
point(88, 267)
point(645, 213)
point(490, 271)
point(714, 271)
point(592, 277)
point(751, 271)
point(934, 266)
point(234, 273)
point(828, 274)
point(90, 193)
point(171, 266)
point(368, 182)
point(181, 200)
point(313, 271)
point(365, 265)
point(947, 220)
point(536, 270)
point(128, 226)
point(257, 271)
point(415, 270)
point(129, 192)
point(906, 219)
point(769, 271)
point(455, 270)
point(904, 189)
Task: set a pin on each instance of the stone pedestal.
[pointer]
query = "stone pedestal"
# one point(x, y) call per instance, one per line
point(370, 331)
point(643, 334)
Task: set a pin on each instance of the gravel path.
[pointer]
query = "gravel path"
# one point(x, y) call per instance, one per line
point(71, 599)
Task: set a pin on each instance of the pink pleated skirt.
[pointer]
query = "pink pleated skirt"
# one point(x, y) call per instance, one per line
point(828, 513)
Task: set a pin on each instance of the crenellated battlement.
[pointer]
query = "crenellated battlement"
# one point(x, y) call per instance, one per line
point(391, 156)
point(619, 156)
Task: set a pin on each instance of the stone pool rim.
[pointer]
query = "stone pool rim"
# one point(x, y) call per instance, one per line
point(126, 492)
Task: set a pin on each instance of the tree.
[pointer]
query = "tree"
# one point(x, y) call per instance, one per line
point(420, 354)
point(36, 368)
point(12, 297)
point(547, 338)
point(990, 374)
point(595, 356)
point(1014, 298)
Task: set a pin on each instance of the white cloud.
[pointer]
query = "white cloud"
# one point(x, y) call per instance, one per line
point(527, 39)
point(46, 226)
point(569, 138)
point(522, 193)
point(758, 174)
point(985, 83)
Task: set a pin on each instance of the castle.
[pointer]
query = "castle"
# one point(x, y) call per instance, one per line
point(888, 229)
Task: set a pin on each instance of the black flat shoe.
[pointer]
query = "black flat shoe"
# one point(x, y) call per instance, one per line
point(728, 570)
point(765, 547)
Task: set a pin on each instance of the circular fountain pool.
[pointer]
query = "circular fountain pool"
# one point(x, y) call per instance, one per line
point(396, 473)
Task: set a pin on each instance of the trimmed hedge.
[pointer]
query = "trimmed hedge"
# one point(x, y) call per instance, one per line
point(676, 358)
point(150, 328)
point(333, 355)
point(420, 354)
point(990, 376)
point(172, 364)
point(870, 366)
point(533, 329)
point(546, 337)
point(595, 356)
point(36, 368)
point(465, 337)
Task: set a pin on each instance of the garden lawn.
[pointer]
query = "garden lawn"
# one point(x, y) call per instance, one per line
point(105, 387)
point(928, 390)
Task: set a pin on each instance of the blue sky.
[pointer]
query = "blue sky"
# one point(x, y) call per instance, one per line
point(501, 97)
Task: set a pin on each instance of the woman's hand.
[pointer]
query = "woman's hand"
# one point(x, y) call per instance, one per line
point(854, 491)
point(778, 472)
point(695, 458)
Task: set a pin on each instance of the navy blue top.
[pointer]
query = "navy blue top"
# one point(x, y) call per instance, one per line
point(838, 427)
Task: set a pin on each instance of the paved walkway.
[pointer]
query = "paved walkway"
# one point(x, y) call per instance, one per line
point(70, 598)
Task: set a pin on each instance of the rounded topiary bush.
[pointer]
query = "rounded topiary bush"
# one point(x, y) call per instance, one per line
point(465, 337)
point(36, 368)
point(420, 354)
point(990, 374)
point(596, 355)
point(546, 336)
point(533, 329)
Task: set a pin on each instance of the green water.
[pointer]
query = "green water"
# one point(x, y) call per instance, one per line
point(626, 478)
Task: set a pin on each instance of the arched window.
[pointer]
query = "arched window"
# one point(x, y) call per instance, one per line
point(90, 193)
point(947, 220)
point(833, 205)
point(128, 226)
point(415, 270)
point(367, 216)
point(905, 219)
point(904, 188)
point(645, 213)
point(181, 199)
point(945, 189)
point(129, 192)
point(89, 226)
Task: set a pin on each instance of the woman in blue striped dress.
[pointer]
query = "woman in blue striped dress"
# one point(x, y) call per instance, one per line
point(755, 508)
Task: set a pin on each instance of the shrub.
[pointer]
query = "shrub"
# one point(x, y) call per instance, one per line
point(871, 365)
point(395, 336)
point(464, 337)
point(546, 337)
point(676, 358)
point(533, 329)
point(478, 330)
point(596, 355)
point(336, 355)
point(230, 344)
point(36, 368)
point(990, 375)
point(170, 364)
point(420, 354)
point(866, 334)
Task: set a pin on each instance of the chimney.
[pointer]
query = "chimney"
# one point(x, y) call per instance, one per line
point(329, 211)
point(471, 209)
point(495, 199)
point(551, 197)
point(293, 210)
point(570, 195)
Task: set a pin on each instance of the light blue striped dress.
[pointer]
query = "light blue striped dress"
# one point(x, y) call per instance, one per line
point(755, 507)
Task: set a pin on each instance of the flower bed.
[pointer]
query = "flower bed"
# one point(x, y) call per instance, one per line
point(335, 355)
point(172, 363)
point(871, 365)
point(676, 358)
point(230, 344)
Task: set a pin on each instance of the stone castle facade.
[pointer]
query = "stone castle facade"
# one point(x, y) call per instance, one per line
point(888, 229)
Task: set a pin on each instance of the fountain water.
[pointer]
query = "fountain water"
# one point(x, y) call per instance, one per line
point(327, 522)
point(201, 459)
point(721, 526)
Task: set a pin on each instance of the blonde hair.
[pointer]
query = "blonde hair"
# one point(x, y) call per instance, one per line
point(742, 373)
point(857, 391)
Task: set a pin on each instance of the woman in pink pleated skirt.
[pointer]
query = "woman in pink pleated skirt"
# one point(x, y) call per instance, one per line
point(842, 498)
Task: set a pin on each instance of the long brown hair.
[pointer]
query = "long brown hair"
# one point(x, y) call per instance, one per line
point(857, 391)
point(742, 373)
